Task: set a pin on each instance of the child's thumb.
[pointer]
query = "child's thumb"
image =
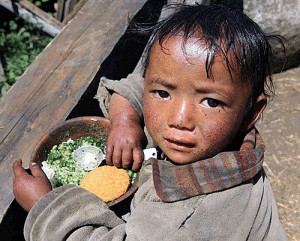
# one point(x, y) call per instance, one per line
point(17, 168)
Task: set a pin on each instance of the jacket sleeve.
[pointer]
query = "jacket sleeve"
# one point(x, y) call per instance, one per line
point(131, 88)
point(72, 213)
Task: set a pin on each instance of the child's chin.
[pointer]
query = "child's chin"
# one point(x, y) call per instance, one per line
point(182, 158)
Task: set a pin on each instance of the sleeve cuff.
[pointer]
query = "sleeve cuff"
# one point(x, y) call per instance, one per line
point(65, 210)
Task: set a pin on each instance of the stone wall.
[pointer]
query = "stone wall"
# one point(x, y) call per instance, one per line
point(279, 17)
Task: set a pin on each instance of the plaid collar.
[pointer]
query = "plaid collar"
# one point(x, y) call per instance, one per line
point(225, 170)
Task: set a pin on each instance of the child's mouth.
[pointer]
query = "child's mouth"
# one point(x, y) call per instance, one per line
point(179, 145)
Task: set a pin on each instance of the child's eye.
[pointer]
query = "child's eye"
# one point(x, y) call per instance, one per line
point(162, 94)
point(212, 103)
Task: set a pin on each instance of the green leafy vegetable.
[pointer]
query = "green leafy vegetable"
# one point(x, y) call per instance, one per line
point(60, 159)
point(132, 176)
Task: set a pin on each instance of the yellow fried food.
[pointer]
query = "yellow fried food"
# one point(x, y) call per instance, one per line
point(107, 182)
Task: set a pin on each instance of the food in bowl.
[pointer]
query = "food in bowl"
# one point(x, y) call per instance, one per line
point(107, 182)
point(61, 168)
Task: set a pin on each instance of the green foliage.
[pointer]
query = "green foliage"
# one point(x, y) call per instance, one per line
point(20, 43)
point(39, 3)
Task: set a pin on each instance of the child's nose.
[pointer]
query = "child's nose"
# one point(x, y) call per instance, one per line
point(181, 115)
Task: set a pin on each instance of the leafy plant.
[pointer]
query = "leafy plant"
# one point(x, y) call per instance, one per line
point(39, 3)
point(20, 43)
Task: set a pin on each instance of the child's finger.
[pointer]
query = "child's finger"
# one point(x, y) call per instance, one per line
point(109, 151)
point(127, 158)
point(117, 157)
point(138, 157)
point(36, 171)
point(18, 168)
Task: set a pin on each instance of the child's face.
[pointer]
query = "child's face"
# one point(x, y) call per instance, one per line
point(191, 117)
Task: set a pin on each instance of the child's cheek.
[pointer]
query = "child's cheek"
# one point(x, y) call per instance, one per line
point(219, 134)
point(152, 117)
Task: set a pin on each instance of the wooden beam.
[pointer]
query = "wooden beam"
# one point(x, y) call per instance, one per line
point(33, 14)
point(2, 76)
point(53, 84)
point(60, 10)
point(74, 10)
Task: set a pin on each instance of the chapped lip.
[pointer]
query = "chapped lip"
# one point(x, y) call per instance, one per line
point(180, 144)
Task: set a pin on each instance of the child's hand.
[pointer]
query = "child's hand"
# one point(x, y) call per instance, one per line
point(29, 188)
point(124, 145)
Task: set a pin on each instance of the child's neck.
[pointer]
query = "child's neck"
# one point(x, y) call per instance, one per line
point(237, 141)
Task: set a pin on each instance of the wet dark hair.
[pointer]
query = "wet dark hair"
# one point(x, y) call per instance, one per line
point(224, 31)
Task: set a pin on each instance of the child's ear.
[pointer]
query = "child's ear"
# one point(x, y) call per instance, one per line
point(254, 113)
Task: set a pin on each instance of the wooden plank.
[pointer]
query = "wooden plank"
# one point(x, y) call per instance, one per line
point(33, 14)
point(75, 9)
point(50, 88)
point(60, 10)
point(3, 90)
point(2, 76)
point(39, 12)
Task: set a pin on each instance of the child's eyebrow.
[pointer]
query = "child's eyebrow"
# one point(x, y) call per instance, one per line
point(201, 90)
point(213, 91)
point(164, 83)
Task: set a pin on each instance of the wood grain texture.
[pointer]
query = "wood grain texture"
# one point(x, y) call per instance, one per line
point(50, 88)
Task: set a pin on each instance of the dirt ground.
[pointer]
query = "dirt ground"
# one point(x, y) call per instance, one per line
point(280, 129)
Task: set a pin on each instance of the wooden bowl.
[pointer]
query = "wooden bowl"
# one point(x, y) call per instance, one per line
point(74, 129)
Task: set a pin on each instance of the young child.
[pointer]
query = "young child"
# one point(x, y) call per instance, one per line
point(204, 89)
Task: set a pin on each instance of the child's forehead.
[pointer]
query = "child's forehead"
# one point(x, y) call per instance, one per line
point(194, 49)
point(177, 52)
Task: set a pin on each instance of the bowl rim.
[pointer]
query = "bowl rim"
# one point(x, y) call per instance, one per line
point(61, 125)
